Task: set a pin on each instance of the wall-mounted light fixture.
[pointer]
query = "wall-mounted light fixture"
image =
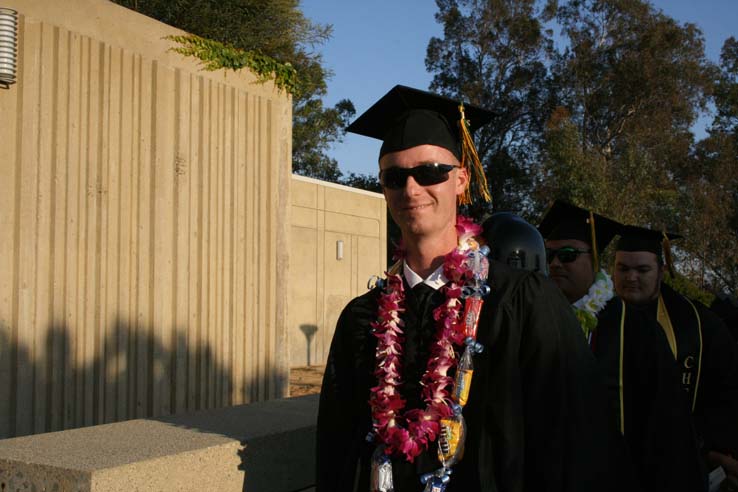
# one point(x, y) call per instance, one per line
point(339, 249)
point(8, 46)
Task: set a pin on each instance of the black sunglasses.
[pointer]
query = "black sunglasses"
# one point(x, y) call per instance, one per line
point(395, 178)
point(567, 254)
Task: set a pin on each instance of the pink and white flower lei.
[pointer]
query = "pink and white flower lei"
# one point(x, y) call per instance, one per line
point(409, 433)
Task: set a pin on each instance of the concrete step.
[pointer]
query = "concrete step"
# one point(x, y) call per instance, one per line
point(262, 447)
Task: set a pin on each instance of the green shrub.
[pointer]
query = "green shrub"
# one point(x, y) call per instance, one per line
point(216, 55)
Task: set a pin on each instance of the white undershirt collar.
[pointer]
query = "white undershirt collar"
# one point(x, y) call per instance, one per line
point(436, 279)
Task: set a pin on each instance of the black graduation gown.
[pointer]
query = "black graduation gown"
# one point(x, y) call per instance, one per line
point(645, 401)
point(716, 405)
point(536, 412)
point(708, 361)
point(728, 314)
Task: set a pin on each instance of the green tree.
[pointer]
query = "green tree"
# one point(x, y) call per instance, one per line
point(708, 215)
point(726, 90)
point(628, 68)
point(710, 191)
point(277, 29)
point(570, 173)
point(314, 129)
point(493, 54)
point(633, 81)
point(361, 181)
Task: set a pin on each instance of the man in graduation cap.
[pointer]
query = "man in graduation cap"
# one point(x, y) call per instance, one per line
point(645, 403)
point(704, 351)
point(409, 402)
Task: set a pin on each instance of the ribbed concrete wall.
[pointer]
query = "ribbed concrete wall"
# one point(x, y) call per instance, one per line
point(143, 226)
point(322, 284)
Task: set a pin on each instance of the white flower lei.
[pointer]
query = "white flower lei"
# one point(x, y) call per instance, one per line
point(599, 294)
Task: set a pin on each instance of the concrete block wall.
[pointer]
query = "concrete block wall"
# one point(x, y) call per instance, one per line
point(144, 225)
point(324, 214)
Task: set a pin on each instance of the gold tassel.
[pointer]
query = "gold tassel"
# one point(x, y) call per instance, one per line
point(595, 255)
point(470, 162)
point(666, 246)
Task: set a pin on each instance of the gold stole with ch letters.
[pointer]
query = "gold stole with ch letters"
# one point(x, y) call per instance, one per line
point(685, 342)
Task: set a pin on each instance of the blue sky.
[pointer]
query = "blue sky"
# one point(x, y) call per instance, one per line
point(379, 44)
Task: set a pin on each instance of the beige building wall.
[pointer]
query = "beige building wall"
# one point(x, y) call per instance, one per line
point(144, 225)
point(321, 284)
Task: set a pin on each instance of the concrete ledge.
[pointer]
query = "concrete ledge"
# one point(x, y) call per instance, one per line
point(263, 447)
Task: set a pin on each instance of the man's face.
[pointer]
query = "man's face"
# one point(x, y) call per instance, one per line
point(637, 276)
point(424, 210)
point(573, 278)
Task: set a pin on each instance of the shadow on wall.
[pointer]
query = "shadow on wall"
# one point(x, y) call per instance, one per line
point(309, 332)
point(49, 385)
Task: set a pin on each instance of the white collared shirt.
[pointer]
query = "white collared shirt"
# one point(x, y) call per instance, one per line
point(436, 279)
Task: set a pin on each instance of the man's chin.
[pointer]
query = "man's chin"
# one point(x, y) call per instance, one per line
point(416, 228)
point(560, 281)
point(564, 286)
point(634, 297)
point(417, 224)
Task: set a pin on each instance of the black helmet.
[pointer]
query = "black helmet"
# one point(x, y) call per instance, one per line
point(515, 242)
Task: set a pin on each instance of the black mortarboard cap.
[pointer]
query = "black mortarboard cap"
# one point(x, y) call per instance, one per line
point(566, 221)
point(634, 238)
point(407, 117)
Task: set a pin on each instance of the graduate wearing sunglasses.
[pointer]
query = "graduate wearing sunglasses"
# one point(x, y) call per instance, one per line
point(534, 417)
point(645, 402)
